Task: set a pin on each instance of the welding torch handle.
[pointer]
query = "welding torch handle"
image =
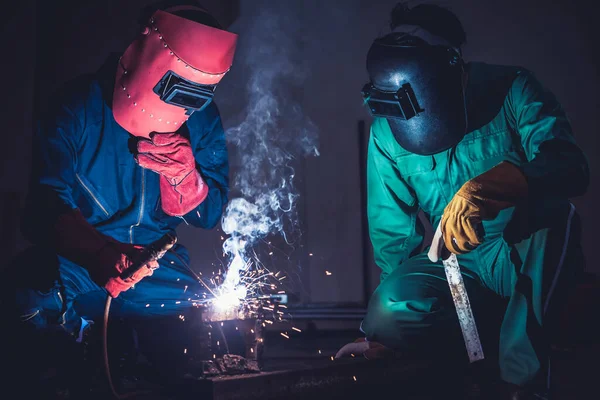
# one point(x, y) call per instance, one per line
point(153, 251)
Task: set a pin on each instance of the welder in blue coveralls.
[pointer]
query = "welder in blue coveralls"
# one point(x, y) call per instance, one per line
point(122, 157)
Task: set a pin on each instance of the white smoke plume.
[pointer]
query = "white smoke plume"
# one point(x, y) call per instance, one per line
point(271, 135)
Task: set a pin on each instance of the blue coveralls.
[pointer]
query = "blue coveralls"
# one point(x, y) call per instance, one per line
point(83, 160)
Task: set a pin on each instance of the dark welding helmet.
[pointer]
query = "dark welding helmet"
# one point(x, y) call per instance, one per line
point(418, 88)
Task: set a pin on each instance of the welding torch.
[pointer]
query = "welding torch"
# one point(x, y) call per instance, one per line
point(152, 252)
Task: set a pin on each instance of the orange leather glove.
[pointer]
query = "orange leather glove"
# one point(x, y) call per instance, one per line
point(112, 260)
point(481, 198)
point(181, 187)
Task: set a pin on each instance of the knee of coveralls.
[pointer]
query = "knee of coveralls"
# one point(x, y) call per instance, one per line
point(412, 310)
point(42, 297)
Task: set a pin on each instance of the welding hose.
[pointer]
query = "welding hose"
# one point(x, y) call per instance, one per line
point(153, 251)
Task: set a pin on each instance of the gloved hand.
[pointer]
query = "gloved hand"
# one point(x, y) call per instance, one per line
point(365, 348)
point(105, 258)
point(112, 260)
point(181, 187)
point(481, 198)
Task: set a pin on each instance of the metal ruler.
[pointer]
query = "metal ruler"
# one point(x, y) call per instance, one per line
point(463, 308)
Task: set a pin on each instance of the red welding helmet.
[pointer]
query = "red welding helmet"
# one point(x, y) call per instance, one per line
point(168, 72)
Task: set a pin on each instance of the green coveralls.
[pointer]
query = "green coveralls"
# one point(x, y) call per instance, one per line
point(511, 117)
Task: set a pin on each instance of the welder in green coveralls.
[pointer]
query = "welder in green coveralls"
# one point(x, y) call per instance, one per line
point(487, 154)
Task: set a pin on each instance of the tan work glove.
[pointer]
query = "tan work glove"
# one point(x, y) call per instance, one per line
point(480, 198)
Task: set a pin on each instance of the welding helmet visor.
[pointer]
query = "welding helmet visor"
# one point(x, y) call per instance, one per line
point(418, 88)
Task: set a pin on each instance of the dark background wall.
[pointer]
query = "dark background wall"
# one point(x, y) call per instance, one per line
point(46, 43)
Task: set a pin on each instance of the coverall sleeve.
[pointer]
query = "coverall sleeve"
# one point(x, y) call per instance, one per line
point(392, 211)
point(556, 167)
point(54, 160)
point(207, 138)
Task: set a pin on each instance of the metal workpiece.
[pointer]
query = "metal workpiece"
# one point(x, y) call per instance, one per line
point(215, 314)
point(223, 353)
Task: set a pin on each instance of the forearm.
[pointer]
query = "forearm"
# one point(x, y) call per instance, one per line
point(51, 221)
point(43, 206)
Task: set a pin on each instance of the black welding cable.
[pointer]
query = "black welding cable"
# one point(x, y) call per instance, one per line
point(153, 251)
point(105, 331)
point(107, 363)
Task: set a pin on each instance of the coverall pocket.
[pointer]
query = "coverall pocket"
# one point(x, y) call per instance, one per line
point(493, 145)
point(414, 164)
